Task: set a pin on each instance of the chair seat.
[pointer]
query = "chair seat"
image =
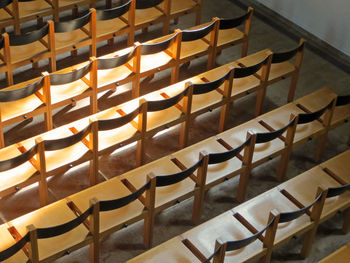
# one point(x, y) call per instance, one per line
point(180, 6)
point(227, 228)
point(5, 17)
point(279, 70)
point(17, 175)
point(228, 36)
point(144, 16)
point(109, 190)
point(8, 241)
point(68, 39)
point(304, 188)
point(254, 58)
point(107, 27)
point(192, 48)
point(215, 172)
point(34, 8)
point(153, 62)
point(63, 4)
point(60, 93)
point(25, 52)
point(166, 194)
point(256, 212)
point(280, 117)
point(342, 255)
point(12, 109)
point(59, 158)
point(48, 216)
point(340, 166)
point(172, 251)
point(244, 86)
point(262, 151)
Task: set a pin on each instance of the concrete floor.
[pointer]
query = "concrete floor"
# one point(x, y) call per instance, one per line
point(316, 72)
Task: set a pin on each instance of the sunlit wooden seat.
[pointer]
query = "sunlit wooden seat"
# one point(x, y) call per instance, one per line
point(201, 239)
point(52, 215)
point(30, 10)
point(339, 167)
point(113, 220)
point(341, 255)
point(7, 241)
point(172, 251)
point(179, 8)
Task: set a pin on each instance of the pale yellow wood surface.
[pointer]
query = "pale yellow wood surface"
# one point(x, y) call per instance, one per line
point(256, 212)
point(8, 241)
point(192, 48)
point(280, 69)
point(179, 6)
point(66, 91)
point(340, 166)
point(33, 8)
point(254, 58)
point(227, 228)
point(203, 101)
point(228, 36)
point(67, 39)
point(342, 255)
point(109, 190)
point(52, 215)
point(105, 27)
point(171, 251)
point(143, 16)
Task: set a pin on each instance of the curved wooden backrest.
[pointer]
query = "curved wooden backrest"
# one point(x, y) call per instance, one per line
point(159, 105)
point(64, 78)
point(108, 205)
point(335, 191)
point(24, 39)
point(144, 4)
point(148, 49)
point(191, 35)
point(250, 70)
point(109, 63)
point(165, 180)
point(109, 124)
point(67, 26)
point(284, 56)
point(343, 100)
point(58, 144)
point(17, 94)
point(107, 14)
point(18, 160)
point(201, 88)
point(9, 252)
point(234, 22)
point(309, 117)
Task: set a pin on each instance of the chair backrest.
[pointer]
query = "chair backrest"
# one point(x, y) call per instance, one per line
point(9, 252)
point(284, 56)
point(343, 100)
point(234, 22)
point(109, 63)
point(309, 117)
point(144, 4)
point(108, 124)
point(250, 70)
point(24, 39)
point(64, 78)
point(194, 34)
point(335, 191)
point(71, 25)
point(148, 49)
point(159, 105)
point(107, 14)
point(18, 160)
point(17, 94)
point(201, 88)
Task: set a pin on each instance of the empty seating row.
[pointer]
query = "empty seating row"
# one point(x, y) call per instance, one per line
point(122, 204)
point(144, 13)
point(255, 228)
point(60, 37)
point(222, 85)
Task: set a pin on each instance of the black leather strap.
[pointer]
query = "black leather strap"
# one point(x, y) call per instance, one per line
point(109, 63)
point(165, 180)
point(2, 42)
point(343, 100)
point(335, 191)
point(68, 26)
point(19, 40)
point(158, 105)
point(54, 231)
point(109, 205)
point(263, 137)
point(109, 124)
point(148, 49)
point(58, 144)
point(289, 216)
point(284, 56)
point(18, 160)
point(215, 158)
point(17, 94)
point(107, 14)
point(233, 22)
point(309, 117)
point(202, 88)
point(64, 78)
point(144, 4)
point(9, 252)
point(191, 35)
point(247, 71)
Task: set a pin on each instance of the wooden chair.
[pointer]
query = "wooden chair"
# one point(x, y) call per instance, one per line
point(341, 255)
point(299, 220)
point(12, 250)
point(155, 56)
point(194, 44)
point(111, 23)
point(22, 102)
point(21, 50)
point(172, 251)
point(148, 13)
point(57, 230)
point(72, 35)
point(70, 85)
point(120, 205)
point(229, 35)
point(7, 14)
point(183, 7)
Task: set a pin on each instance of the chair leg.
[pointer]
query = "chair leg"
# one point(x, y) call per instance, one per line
point(243, 185)
point(140, 152)
point(148, 231)
point(131, 38)
point(321, 144)
point(260, 100)
point(283, 165)
point(198, 17)
point(346, 223)
point(9, 76)
point(145, 30)
point(244, 49)
point(349, 140)
point(307, 243)
point(175, 74)
point(198, 205)
point(176, 21)
point(293, 85)
point(223, 116)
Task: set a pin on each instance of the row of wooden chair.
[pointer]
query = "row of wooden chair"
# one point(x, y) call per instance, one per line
point(222, 85)
point(135, 196)
point(144, 13)
point(255, 228)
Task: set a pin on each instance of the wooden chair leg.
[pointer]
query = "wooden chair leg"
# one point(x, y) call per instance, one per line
point(293, 85)
point(198, 17)
point(145, 30)
point(140, 152)
point(35, 65)
point(166, 27)
point(9, 76)
point(283, 165)
point(260, 100)
point(223, 116)
point(184, 134)
point(307, 243)
point(244, 49)
point(243, 185)
point(349, 140)
point(74, 53)
point(175, 74)
point(346, 223)
point(321, 144)
point(176, 21)
point(135, 92)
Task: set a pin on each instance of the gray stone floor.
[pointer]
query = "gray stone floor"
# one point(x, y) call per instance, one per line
point(316, 73)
